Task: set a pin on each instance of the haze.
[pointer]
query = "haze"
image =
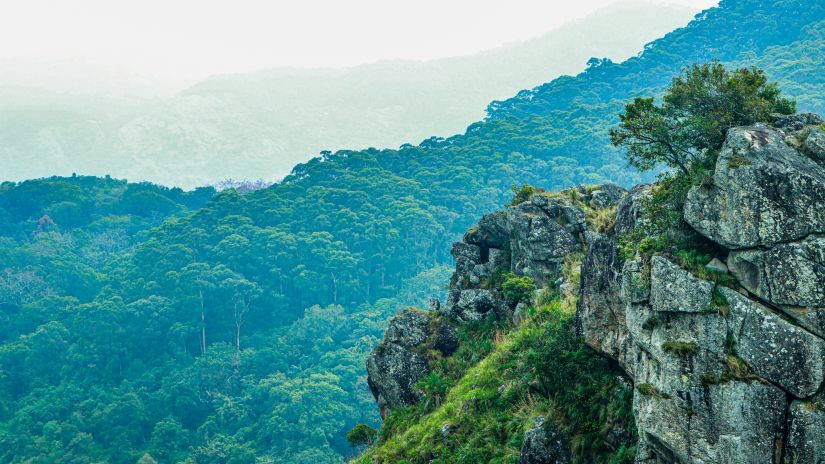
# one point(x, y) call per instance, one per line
point(187, 40)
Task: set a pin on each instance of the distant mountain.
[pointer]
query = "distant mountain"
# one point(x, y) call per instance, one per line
point(108, 360)
point(261, 124)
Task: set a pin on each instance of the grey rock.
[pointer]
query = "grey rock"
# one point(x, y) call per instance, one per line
point(762, 193)
point(520, 314)
point(474, 305)
point(538, 242)
point(676, 290)
point(397, 364)
point(635, 282)
point(731, 422)
point(631, 209)
point(794, 122)
point(600, 315)
point(443, 337)
point(491, 231)
point(467, 252)
point(814, 145)
point(392, 372)
point(543, 444)
point(790, 276)
point(806, 435)
point(716, 265)
point(775, 349)
point(409, 329)
point(573, 217)
point(606, 196)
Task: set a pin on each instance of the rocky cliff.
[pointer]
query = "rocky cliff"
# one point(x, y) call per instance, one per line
point(722, 337)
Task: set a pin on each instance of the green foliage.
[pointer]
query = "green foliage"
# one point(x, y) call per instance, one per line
point(518, 289)
point(522, 194)
point(107, 290)
point(647, 389)
point(540, 368)
point(696, 112)
point(681, 349)
point(361, 434)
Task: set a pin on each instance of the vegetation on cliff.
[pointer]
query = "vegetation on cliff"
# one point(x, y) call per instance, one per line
point(292, 285)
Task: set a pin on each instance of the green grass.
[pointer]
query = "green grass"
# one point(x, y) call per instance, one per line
point(502, 378)
point(681, 349)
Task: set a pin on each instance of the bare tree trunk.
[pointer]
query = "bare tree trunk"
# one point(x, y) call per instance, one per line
point(203, 324)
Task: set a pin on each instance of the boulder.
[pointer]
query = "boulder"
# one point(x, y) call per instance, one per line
point(538, 241)
point(606, 196)
point(674, 289)
point(631, 209)
point(399, 362)
point(392, 372)
point(794, 122)
point(635, 282)
point(600, 315)
point(716, 265)
point(790, 276)
point(814, 145)
point(491, 231)
point(732, 422)
point(409, 329)
point(761, 195)
point(474, 304)
point(775, 349)
point(543, 444)
point(806, 435)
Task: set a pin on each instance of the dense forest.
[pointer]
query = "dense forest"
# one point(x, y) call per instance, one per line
point(152, 324)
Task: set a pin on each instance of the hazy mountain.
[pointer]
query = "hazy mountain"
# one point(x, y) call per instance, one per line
point(259, 125)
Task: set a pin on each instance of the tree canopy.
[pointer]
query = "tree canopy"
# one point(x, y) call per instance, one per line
point(695, 114)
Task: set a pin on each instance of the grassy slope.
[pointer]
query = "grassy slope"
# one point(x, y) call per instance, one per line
point(489, 393)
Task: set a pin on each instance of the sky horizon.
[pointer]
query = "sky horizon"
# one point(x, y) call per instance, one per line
point(190, 40)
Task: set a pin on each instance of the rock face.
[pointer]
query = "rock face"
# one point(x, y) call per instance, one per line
point(530, 239)
point(764, 193)
point(733, 375)
point(542, 232)
point(727, 359)
point(605, 277)
point(790, 276)
point(400, 361)
point(543, 444)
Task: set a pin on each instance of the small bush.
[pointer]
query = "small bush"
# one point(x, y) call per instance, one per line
point(647, 389)
point(361, 435)
point(518, 289)
point(681, 349)
point(738, 161)
point(522, 194)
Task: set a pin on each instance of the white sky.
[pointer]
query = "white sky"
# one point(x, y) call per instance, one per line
point(187, 39)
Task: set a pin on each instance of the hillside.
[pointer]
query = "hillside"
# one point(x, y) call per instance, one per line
point(291, 286)
point(268, 121)
point(577, 330)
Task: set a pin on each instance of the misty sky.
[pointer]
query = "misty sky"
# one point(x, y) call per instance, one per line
point(191, 39)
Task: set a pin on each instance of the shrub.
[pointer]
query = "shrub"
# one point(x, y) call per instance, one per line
point(522, 194)
point(681, 349)
point(361, 434)
point(647, 389)
point(518, 289)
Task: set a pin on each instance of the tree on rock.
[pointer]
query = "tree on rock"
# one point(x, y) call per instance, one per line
point(695, 115)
